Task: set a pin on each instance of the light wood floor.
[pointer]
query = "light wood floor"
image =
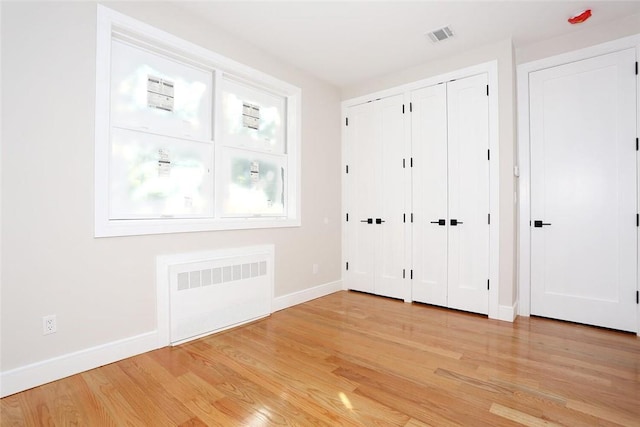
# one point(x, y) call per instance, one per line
point(358, 360)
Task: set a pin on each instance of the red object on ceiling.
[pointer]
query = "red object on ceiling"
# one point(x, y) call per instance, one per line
point(580, 18)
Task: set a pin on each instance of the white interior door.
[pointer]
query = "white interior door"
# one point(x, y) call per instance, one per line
point(362, 157)
point(390, 183)
point(468, 182)
point(430, 223)
point(583, 191)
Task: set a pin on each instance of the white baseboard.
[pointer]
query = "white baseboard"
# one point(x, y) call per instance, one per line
point(289, 300)
point(29, 376)
point(508, 313)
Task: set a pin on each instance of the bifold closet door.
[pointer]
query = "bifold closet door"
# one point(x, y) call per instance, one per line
point(468, 180)
point(375, 193)
point(450, 141)
point(390, 186)
point(362, 158)
point(430, 222)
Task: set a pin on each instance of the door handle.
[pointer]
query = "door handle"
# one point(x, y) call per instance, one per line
point(379, 220)
point(440, 222)
point(455, 222)
point(368, 220)
point(537, 223)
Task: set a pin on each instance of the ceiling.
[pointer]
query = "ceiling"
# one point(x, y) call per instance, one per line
point(344, 42)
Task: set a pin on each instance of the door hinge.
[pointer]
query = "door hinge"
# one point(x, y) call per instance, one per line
point(411, 107)
point(346, 121)
point(488, 154)
point(488, 218)
point(403, 273)
point(488, 286)
point(347, 266)
point(487, 90)
point(347, 217)
point(347, 168)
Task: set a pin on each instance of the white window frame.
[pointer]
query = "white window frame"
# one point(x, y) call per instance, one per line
point(112, 24)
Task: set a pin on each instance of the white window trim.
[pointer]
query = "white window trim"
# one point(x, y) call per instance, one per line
point(110, 22)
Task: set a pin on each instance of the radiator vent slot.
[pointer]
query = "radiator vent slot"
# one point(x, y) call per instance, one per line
point(217, 275)
point(213, 291)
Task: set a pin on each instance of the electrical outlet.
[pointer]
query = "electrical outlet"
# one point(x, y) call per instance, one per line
point(49, 324)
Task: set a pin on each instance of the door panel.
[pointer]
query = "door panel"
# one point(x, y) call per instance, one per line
point(362, 159)
point(583, 183)
point(390, 197)
point(468, 179)
point(376, 249)
point(429, 149)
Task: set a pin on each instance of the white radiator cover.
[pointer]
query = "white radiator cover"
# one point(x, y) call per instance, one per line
point(215, 290)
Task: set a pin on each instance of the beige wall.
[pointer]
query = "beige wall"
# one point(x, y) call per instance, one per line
point(589, 35)
point(503, 53)
point(103, 290)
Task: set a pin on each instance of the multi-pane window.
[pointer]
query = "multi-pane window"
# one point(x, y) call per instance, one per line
point(161, 159)
point(189, 140)
point(253, 149)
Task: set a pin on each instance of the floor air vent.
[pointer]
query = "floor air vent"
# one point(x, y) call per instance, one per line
point(213, 291)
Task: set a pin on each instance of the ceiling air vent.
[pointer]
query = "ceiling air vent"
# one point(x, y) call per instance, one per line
point(440, 34)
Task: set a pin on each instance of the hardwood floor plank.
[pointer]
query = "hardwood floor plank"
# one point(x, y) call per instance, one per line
point(352, 359)
point(13, 411)
point(106, 392)
point(416, 423)
point(520, 417)
point(161, 388)
point(421, 399)
point(193, 422)
point(623, 418)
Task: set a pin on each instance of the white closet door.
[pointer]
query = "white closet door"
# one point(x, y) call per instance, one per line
point(389, 186)
point(468, 179)
point(363, 159)
point(583, 185)
point(429, 150)
point(375, 230)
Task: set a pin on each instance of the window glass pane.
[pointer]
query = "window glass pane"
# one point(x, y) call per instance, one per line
point(252, 118)
point(153, 176)
point(153, 93)
point(252, 184)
